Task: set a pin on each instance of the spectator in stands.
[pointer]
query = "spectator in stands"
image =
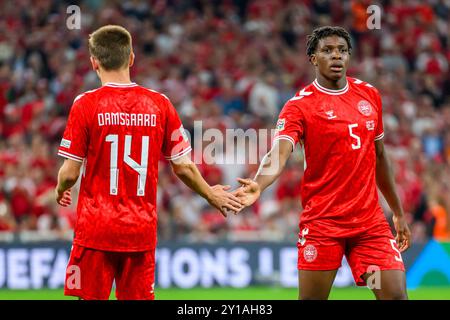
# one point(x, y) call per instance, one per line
point(234, 75)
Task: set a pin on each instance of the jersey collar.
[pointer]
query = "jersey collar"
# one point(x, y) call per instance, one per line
point(330, 91)
point(120, 85)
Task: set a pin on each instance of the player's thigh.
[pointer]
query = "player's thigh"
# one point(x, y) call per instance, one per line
point(319, 258)
point(89, 274)
point(390, 285)
point(373, 252)
point(135, 278)
point(315, 285)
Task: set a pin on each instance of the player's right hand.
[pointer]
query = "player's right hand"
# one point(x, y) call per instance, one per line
point(403, 237)
point(224, 201)
point(64, 199)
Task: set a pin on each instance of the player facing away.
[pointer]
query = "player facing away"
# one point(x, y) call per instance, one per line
point(338, 122)
point(118, 132)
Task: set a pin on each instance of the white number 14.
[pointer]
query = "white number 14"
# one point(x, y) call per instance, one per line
point(140, 168)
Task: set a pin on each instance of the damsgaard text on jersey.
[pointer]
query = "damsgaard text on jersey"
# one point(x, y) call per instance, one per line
point(126, 119)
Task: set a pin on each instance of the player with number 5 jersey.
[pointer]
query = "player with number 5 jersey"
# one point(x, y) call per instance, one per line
point(337, 129)
point(338, 122)
point(118, 133)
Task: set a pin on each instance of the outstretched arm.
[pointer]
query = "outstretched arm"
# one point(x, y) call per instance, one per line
point(269, 170)
point(67, 177)
point(216, 196)
point(386, 184)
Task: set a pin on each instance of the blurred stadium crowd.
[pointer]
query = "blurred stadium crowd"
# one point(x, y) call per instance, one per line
point(230, 64)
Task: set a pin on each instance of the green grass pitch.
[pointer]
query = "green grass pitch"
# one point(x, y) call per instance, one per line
point(250, 293)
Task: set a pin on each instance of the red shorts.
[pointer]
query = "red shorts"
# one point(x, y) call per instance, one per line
point(373, 249)
point(90, 274)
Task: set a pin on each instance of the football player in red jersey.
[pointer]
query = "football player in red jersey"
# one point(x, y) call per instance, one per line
point(338, 122)
point(118, 132)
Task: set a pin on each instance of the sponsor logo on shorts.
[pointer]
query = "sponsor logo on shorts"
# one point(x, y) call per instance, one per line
point(310, 253)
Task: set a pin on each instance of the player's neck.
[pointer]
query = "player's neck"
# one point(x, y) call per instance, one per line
point(332, 84)
point(118, 77)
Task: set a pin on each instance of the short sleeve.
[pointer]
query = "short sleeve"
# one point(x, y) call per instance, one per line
point(176, 142)
point(289, 125)
point(379, 133)
point(75, 139)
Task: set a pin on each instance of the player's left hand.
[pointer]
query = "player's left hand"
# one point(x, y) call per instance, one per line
point(403, 237)
point(64, 199)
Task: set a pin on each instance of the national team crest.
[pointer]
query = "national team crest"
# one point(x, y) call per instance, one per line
point(280, 124)
point(365, 108)
point(310, 253)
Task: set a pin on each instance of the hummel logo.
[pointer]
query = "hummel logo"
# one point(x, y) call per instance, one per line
point(302, 240)
point(305, 232)
point(330, 114)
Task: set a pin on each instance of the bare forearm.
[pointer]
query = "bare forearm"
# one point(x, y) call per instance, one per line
point(386, 184)
point(65, 180)
point(272, 165)
point(191, 177)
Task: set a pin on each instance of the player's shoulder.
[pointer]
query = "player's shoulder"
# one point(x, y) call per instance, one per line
point(301, 98)
point(154, 94)
point(364, 86)
point(86, 96)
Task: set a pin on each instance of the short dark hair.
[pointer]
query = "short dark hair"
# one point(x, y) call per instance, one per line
point(324, 32)
point(111, 46)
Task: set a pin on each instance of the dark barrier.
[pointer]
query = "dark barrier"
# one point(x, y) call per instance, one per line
point(43, 264)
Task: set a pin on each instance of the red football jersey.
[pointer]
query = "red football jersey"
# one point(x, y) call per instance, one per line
point(337, 129)
point(119, 131)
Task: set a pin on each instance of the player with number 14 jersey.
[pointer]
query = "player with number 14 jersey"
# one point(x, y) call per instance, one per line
point(127, 126)
point(118, 132)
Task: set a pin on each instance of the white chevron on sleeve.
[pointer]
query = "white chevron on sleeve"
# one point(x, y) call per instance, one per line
point(357, 81)
point(301, 94)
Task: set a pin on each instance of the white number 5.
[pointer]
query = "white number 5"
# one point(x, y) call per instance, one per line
point(358, 139)
point(399, 257)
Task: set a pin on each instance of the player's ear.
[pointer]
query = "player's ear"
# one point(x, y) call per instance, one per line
point(313, 60)
point(95, 64)
point(130, 63)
